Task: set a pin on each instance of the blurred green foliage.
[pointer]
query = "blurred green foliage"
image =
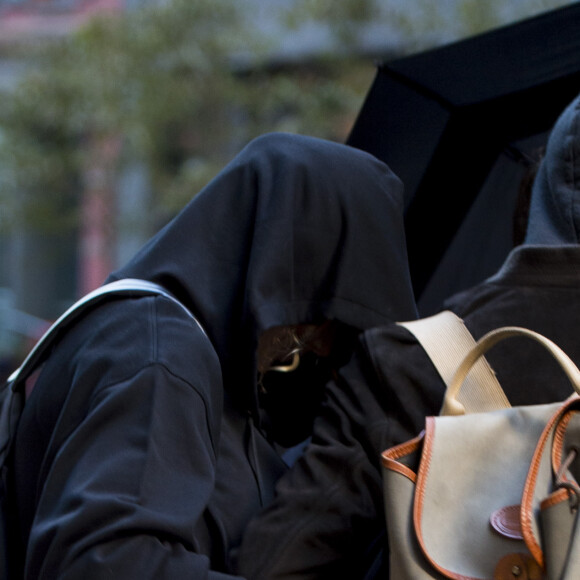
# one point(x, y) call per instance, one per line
point(181, 85)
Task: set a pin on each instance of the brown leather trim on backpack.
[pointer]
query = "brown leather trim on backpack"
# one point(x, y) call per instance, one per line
point(559, 496)
point(390, 457)
point(529, 487)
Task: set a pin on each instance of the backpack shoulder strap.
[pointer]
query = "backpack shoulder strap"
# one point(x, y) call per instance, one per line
point(125, 287)
point(446, 340)
point(11, 401)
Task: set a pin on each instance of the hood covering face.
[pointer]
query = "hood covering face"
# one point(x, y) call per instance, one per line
point(555, 205)
point(293, 231)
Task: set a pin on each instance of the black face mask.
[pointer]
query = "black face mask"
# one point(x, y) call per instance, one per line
point(289, 401)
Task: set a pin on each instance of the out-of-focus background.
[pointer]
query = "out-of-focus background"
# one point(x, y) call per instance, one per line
point(114, 113)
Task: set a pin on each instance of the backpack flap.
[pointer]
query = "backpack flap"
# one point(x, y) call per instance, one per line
point(470, 472)
point(470, 485)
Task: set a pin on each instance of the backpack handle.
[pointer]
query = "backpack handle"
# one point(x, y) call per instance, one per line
point(451, 404)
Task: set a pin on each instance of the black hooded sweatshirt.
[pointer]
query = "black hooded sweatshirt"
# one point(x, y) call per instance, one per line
point(328, 519)
point(139, 454)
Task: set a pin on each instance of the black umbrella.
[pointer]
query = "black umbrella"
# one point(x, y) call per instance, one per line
point(459, 125)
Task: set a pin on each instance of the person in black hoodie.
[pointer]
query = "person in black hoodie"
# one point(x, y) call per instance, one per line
point(328, 520)
point(144, 447)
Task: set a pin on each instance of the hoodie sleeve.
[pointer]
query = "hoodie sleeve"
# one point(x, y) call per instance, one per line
point(120, 495)
point(131, 463)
